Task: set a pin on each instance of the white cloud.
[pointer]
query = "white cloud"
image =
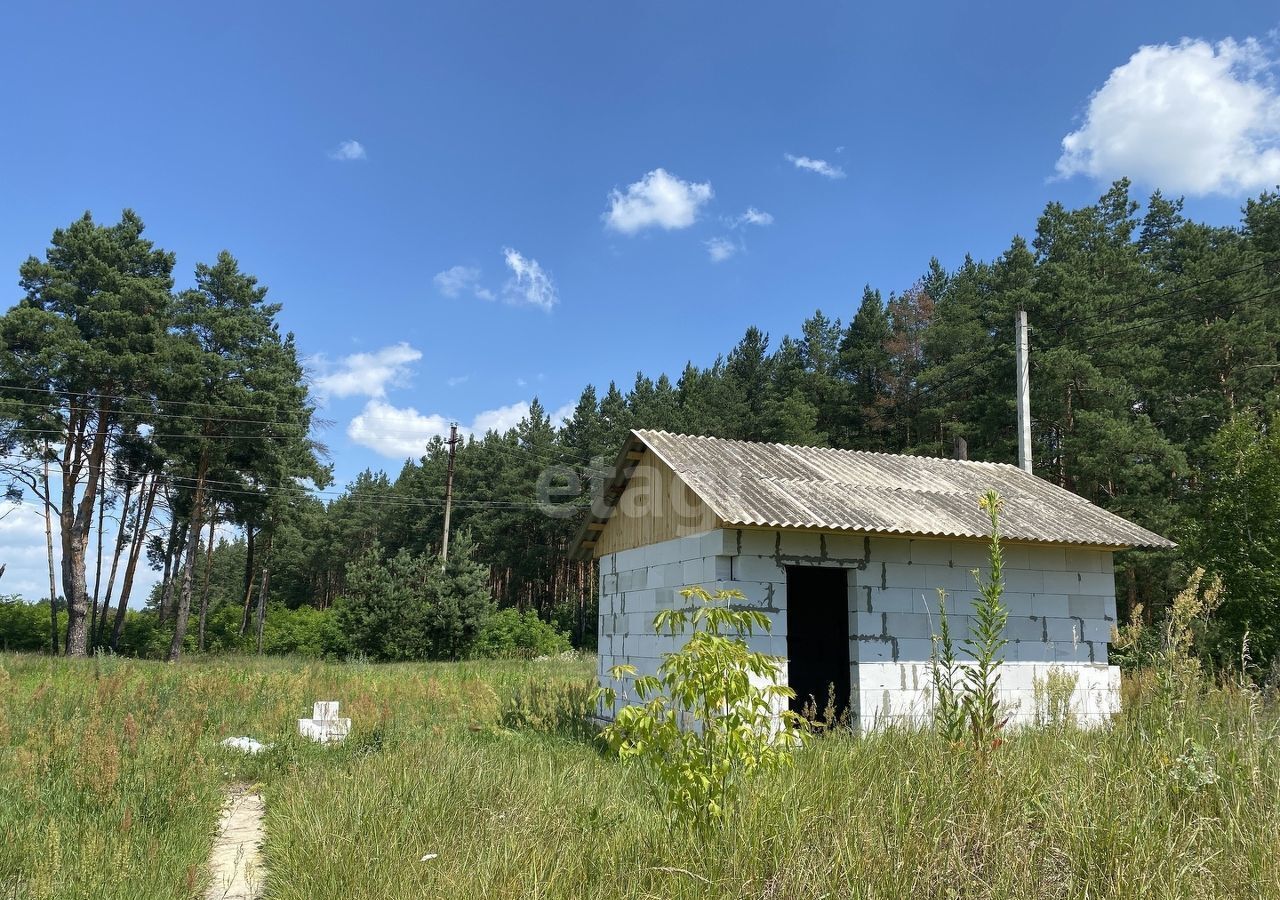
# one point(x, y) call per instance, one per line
point(402, 432)
point(821, 166)
point(563, 414)
point(461, 280)
point(529, 284)
point(369, 374)
point(455, 380)
point(752, 216)
point(395, 432)
point(22, 552)
point(720, 249)
point(348, 151)
point(1194, 118)
point(501, 420)
point(658, 200)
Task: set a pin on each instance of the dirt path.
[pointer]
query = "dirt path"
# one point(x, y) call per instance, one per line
point(234, 863)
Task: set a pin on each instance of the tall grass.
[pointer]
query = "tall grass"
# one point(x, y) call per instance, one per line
point(479, 764)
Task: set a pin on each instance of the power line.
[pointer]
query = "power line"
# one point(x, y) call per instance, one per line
point(1076, 320)
point(1098, 341)
point(123, 397)
point(550, 455)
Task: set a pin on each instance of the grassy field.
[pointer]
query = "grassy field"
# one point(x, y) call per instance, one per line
point(111, 777)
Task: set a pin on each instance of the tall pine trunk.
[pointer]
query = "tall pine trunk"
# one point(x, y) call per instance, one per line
point(204, 589)
point(248, 577)
point(183, 613)
point(136, 549)
point(171, 552)
point(48, 543)
point(100, 636)
point(77, 521)
point(97, 574)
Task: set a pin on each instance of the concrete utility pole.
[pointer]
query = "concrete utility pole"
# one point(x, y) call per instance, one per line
point(448, 495)
point(1024, 394)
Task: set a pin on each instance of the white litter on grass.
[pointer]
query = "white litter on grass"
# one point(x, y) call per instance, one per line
point(245, 745)
point(429, 857)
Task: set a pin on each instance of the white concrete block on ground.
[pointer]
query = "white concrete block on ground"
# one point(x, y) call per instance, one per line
point(324, 726)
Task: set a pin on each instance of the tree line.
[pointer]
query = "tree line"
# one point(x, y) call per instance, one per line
point(1154, 342)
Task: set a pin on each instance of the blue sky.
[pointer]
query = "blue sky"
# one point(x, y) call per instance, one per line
point(458, 206)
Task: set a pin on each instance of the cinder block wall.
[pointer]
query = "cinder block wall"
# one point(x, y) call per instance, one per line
point(1061, 608)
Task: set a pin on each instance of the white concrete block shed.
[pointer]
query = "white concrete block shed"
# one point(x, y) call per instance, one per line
point(845, 551)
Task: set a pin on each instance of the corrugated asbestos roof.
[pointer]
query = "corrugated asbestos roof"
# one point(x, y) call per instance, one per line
point(783, 486)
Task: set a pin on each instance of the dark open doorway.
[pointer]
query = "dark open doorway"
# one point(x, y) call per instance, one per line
point(818, 637)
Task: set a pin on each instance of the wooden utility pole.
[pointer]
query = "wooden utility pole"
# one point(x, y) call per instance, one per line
point(448, 495)
point(1024, 393)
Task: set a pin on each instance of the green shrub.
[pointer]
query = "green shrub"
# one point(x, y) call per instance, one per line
point(305, 631)
point(508, 633)
point(25, 626)
point(407, 607)
point(705, 722)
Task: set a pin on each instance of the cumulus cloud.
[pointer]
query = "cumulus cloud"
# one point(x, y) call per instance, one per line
point(22, 552)
point(563, 414)
point(400, 432)
point(501, 420)
point(461, 280)
point(1195, 117)
point(820, 166)
point(720, 249)
point(348, 151)
point(367, 374)
point(658, 200)
point(529, 284)
point(752, 216)
point(395, 431)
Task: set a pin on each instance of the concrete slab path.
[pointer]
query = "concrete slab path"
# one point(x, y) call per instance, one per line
point(235, 868)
